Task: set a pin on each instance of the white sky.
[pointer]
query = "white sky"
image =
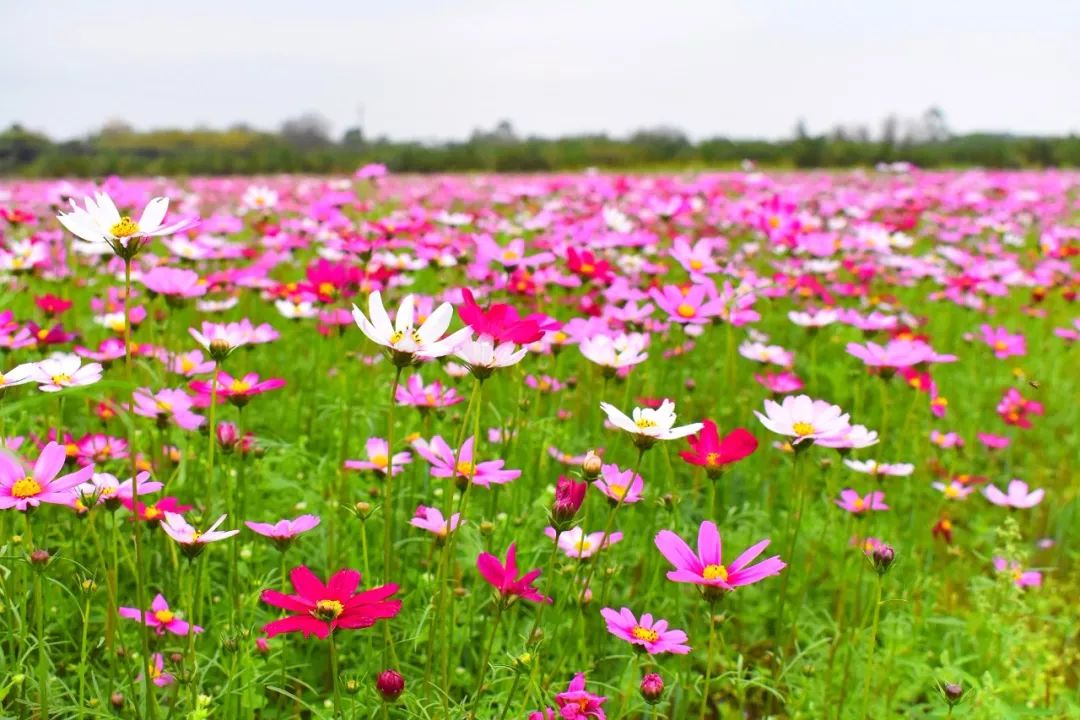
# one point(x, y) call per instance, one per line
point(429, 69)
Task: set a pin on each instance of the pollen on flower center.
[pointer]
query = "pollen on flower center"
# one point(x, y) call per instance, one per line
point(859, 504)
point(715, 572)
point(164, 616)
point(685, 310)
point(802, 429)
point(125, 228)
point(951, 491)
point(164, 406)
point(466, 468)
point(239, 386)
point(645, 423)
point(584, 546)
point(328, 610)
point(380, 461)
point(27, 487)
point(1000, 345)
point(61, 379)
point(649, 636)
point(617, 490)
point(712, 459)
point(396, 337)
point(696, 264)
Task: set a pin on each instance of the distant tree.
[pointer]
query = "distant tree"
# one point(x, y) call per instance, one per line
point(307, 132)
point(353, 138)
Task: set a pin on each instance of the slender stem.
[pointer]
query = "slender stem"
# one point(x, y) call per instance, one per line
point(334, 674)
point(388, 500)
point(39, 618)
point(708, 667)
point(797, 488)
point(196, 600)
point(873, 647)
point(487, 657)
point(82, 652)
point(610, 523)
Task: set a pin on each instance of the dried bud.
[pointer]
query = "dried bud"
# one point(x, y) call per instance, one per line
point(882, 557)
point(652, 688)
point(117, 700)
point(591, 465)
point(390, 685)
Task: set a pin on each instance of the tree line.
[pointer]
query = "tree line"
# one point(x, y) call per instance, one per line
point(305, 145)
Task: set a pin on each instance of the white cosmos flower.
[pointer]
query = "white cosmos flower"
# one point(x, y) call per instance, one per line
point(648, 425)
point(63, 371)
point(852, 437)
point(873, 467)
point(803, 418)
point(408, 345)
point(614, 353)
point(297, 310)
point(100, 222)
point(18, 375)
point(483, 356)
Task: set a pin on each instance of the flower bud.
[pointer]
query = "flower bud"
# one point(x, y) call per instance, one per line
point(117, 700)
point(487, 527)
point(390, 685)
point(227, 436)
point(569, 495)
point(652, 688)
point(591, 465)
point(40, 557)
point(219, 349)
point(882, 557)
point(953, 693)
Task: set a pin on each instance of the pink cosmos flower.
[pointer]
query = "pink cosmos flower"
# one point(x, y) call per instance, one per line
point(1014, 409)
point(1021, 578)
point(64, 371)
point(237, 391)
point(100, 448)
point(110, 349)
point(174, 282)
point(577, 703)
point(576, 543)
point(224, 337)
point(706, 567)
point(432, 520)
point(993, 442)
point(321, 609)
point(654, 637)
point(466, 469)
point(284, 532)
point(500, 323)
point(771, 354)
point(156, 668)
point(426, 397)
point(106, 489)
point(483, 355)
point(165, 405)
point(946, 440)
point(853, 437)
point(1002, 342)
point(614, 354)
point(1017, 496)
point(25, 490)
point(802, 418)
point(623, 486)
point(854, 503)
point(193, 541)
point(953, 490)
point(687, 305)
point(873, 467)
point(379, 457)
point(190, 364)
point(544, 383)
point(160, 617)
point(504, 578)
point(898, 353)
point(780, 383)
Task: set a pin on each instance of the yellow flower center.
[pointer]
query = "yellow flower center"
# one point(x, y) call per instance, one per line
point(561, 337)
point(1016, 573)
point(649, 636)
point(327, 288)
point(152, 513)
point(380, 461)
point(328, 610)
point(510, 255)
point(1000, 345)
point(125, 228)
point(164, 406)
point(186, 365)
point(466, 468)
point(645, 423)
point(584, 546)
point(715, 572)
point(951, 491)
point(239, 386)
point(712, 459)
point(61, 379)
point(696, 264)
point(802, 429)
point(164, 616)
point(588, 268)
point(859, 504)
point(117, 324)
point(685, 310)
point(396, 337)
point(27, 487)
point(617, 490)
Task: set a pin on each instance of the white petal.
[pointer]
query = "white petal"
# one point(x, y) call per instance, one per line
point(153, 214)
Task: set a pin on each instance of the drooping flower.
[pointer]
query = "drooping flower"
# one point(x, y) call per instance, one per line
point(854, 503)
point(432, 520)
point(706, 567)
point(709, 451)
point(804, 419)
point(24, 490)
point(1017, 496)
point(647, 425)
point(160, 617)
point(407, 345)
point(320, 609)
point(504, 578)
point(284, 532)
point(654, 637)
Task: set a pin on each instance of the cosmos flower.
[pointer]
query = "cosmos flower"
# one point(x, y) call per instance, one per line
point(414, 393)
point(461, 465)
point(63, 371)
point(614, 354)
point(620, 486)
point(379, 458)
point(1018, 496)
point(1020, 577)
point(284, 532)
point(873, 467)
point(193, 541)
point(237, 390)
point(705, 567)
point(106, 489)
point(160, 617)
point(166, 405)
point(432, 520)
point(780, 383)
point(851, 438)
point(174, 283)
point(709, 451)
point(156, 668)
point(654, 637)
point(407, 345)
point(576, 543)
point(647, 425)
point(483, 356)
point(1002, 342)
point(100, 222)
point(577, 703)
point(504, 578)
point(804, 419)
point(24, 490)
point(319, 609)
point(953, 490)
point(854, 503)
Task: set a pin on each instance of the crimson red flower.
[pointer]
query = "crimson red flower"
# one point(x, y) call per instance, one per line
point(321, 609)
point(500, 321)
point(52, 305)
point(588, 266)
point(711, 452)
point(504, 577)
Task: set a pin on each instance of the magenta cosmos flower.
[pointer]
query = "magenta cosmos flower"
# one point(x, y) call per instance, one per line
point(854, 503)
point(321, 609)
point(1002, 342)
point(802, 418)
point(1020, 577)
point(156, 668)
point(24, 490)
point(425, 397)
point(1017, 496)
point(174, 282)
point(623, 486)
point(379, 458)
point(706, 567)
point(577, 703)
point(160, 617)
point(238, 391)
point(443, 459)
point(166, 405)
point(504, 578)
point(432, 520)
point(654, 637)
point(283, 532)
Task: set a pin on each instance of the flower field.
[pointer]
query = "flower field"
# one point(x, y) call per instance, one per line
point(732, 445)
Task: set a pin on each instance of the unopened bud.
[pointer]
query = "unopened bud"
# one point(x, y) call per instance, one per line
point(117, 700)
point(652, 688)
point(591, 465)
point(953, 693)
point(40, 557)
point(390, 685)
point(219, 349)
point(487, 527)
point(883, 556)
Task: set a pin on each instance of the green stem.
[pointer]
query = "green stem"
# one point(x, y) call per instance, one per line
point(39, 618)
point(388, 500)
point(334, 674)
point(873, 648)
point(487, 657)
point(708, 668)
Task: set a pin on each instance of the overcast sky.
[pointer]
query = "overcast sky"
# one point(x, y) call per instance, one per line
point(427, 69)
